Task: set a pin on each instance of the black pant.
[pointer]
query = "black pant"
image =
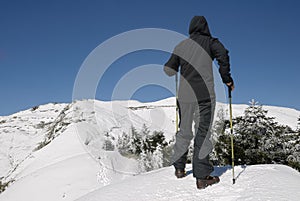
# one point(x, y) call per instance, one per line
point(202, 114)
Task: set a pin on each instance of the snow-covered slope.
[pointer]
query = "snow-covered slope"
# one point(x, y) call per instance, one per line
point(21, 133)
point(53, 152)
point(63, 170)
point(259, 182)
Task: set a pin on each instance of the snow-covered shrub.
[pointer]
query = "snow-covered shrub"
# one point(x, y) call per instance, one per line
point(108, 144)
point(150, 160)
point(293, 158)
point(167, 152)
point(190, 153)
point(148, 148)
point(4, 185)
point(34, 108)
point(123, 143)
point(298, 128)
point(153, 141)
point(130, 143)
point(40, 125)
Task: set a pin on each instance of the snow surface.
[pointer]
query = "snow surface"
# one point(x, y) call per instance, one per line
point(72, 165)
point(258, 182)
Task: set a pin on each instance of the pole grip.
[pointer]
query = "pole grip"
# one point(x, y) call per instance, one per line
point(229, 91)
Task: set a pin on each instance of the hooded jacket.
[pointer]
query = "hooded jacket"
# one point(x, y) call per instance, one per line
point(194, 56)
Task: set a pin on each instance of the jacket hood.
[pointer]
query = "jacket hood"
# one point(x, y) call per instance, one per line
point(199, 25)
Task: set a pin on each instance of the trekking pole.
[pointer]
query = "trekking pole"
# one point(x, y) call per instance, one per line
point(231, 134)
point(176, 85)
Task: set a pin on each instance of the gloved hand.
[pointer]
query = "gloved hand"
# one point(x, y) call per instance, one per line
point(231, 85)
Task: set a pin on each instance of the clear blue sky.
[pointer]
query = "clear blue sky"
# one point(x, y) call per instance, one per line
point(43, 44)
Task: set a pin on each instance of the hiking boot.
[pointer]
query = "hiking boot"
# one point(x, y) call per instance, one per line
point(207, 181)
point(179, 173)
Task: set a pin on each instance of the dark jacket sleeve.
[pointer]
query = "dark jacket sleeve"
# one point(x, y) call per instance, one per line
point(172, 65)
point(221, 54)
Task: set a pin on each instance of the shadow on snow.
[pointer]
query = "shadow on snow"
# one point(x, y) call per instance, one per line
point(220, 170)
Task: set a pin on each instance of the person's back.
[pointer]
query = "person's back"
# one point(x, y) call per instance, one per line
point(196, 97)
point(195, 55)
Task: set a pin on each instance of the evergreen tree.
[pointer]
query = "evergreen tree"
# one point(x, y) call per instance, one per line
point(190, 153)
point(151, 142)
point(150, 161)
point(135, 141)
point(218, 130)
point(145, 130)
point(151, 156)
point(144, 161)
point(157, 158)
point(148, 148)
point(108, 144)
point(293, 158)
point(130, 143)
point(124, 143)
point(167, 152)
point(298, 128)
point(257, 138)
